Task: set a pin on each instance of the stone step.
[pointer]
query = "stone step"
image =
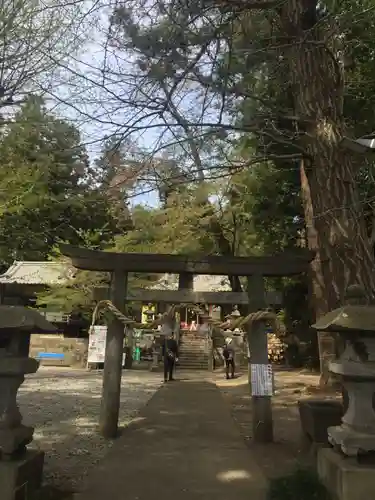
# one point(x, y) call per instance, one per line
point(193, 358)
point(193, 338)
point(194, 351)
point(196, 368)
point(189, 352)
point(196, 355)
point(198, 337)
point(192, 347)
point(192, 354)
point(193, 343)
point(193, 361)
point(193, 366)
point(188, 346)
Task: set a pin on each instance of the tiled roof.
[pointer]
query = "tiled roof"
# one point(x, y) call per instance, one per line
point(36, 273)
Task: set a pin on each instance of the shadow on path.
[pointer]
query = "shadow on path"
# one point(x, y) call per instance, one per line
point(183, 445)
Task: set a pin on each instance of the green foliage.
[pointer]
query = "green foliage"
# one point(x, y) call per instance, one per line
point(303, 484)
point(183, 224)
point(270, 204)
point(46, 196)
point(76, 295)
point(49, 195)
point(168, 230)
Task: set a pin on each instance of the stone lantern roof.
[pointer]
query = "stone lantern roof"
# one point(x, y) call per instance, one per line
point(349, 318)
point(24, 319)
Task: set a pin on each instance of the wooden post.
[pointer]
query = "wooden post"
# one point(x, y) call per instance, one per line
point(110, 403)
point(258, 346)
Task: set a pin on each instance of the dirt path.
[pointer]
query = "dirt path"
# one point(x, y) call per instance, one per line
point(184, 446)
point(289, 448)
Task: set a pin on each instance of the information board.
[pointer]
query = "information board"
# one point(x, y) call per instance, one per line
point(261, 380)
point(97, 343)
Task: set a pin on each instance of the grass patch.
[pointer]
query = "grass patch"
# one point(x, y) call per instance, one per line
point(303, 484)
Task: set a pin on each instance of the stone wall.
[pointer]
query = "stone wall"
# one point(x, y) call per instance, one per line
point(66, 351)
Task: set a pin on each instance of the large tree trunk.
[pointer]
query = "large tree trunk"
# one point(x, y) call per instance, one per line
point(318, 300)
point(336, 224)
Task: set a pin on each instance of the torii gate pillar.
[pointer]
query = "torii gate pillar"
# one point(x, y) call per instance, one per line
point(111, 391)
point(258, 346)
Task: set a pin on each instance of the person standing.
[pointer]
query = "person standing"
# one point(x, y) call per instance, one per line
point(170, 356)
point(228, 353)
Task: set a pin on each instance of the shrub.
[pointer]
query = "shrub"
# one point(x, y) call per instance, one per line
point(303, 484)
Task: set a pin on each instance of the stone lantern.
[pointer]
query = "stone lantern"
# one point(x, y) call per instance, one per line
point(150, 314)
point(20, 468)
point(348, 469)
point(234, 315)
point(204, 328)
point(231, 318)
point(205, 331)
point(356, 368)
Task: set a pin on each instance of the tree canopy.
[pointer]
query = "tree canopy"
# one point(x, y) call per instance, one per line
point(47, 196)
point(231, 112)
point(244, 83)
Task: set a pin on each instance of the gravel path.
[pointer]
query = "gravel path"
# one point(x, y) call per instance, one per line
point(63, 406)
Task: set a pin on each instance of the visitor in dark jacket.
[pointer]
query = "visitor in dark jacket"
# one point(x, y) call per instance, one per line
point(228, 353)
point(170, 356)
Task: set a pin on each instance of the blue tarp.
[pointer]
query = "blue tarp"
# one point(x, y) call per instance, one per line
point(50, 355)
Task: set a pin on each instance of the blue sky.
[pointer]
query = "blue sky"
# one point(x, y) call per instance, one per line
point(94, 98)
point(76, 95)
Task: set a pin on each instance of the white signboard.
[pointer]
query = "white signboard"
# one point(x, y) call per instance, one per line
point(261, 380)
point(97, 343)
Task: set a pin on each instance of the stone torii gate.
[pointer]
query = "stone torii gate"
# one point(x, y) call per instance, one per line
point(120, 264)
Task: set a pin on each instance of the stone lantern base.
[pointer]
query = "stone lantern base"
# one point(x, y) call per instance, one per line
point(344, 477)
point(351, 442)
point(14, 436)
point(21, 469)
point(20, 479)
point(154, 365)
